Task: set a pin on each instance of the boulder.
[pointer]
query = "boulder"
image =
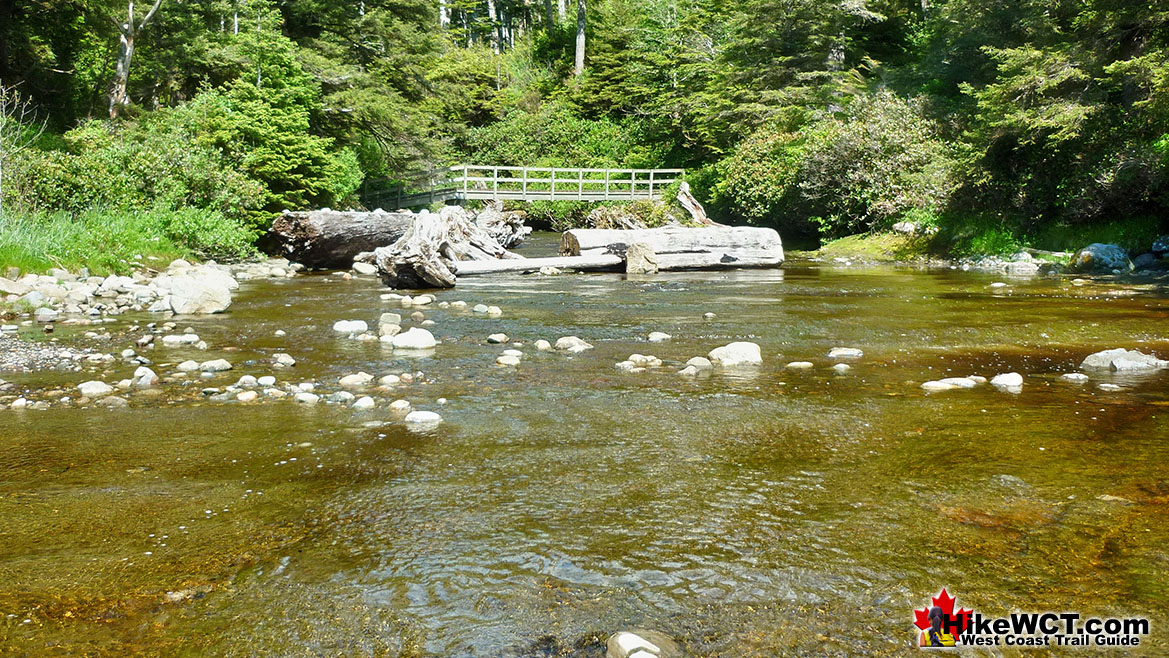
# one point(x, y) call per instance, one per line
point(1010, 381)
point(216, 365)
point(205, 290)
point(9, 287)
point(414, 339)
point(282, 360)
point(1098, 258)
point(358, 380)
point(497, 339)
point(508, 360)
point(364, 403)
point(1122, 360)
point(641, 259)
point(736, 354)
point(543, 345)
point(422, 420)
point(572, 344)
point(365, 268)
point(1145, 262)
point(659, 337)
point(145, 377)
point(1161, 246)
point(350, 326)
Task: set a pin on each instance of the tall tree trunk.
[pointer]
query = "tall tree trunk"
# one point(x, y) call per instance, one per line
point(580, 37)
point(444, 15)
point(494, 27)
point(549, 17)
point(128, 31)
point(562, 6)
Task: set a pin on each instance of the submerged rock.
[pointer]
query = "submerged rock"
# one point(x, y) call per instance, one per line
point(94, 389)
point(422, 420)
point(845, 353)
point(572, 344)
point(1011, 382)
point(350, 326)
point(414, 339)
point(659, 337)
point(1074, 377)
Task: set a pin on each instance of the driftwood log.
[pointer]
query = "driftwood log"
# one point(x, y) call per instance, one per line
point(677, 248)
point(692, 206)
point(428, 254)
point(505, 227)
point(323, 239)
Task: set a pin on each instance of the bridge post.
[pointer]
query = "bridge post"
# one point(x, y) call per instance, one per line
point(495, 184)
point(579, 184)
point(632, 184)
point(525, 183)
point(607, 172)
point(651, 184)
point(464, 182)
point(553, 183)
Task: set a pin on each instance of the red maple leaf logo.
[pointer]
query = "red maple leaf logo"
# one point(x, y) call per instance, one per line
point(921, 618)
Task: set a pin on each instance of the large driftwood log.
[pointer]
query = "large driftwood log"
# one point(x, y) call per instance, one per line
point(428, 254)
point(506, 228)
point(330, 239)
point(678, 248)
point(592, 262)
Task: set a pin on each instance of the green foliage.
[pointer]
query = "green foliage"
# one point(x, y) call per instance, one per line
point(113, 241)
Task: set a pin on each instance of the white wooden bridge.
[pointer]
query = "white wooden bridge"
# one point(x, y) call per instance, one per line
point(495, 183)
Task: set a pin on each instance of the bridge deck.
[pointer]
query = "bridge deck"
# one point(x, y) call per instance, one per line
point(466, 182)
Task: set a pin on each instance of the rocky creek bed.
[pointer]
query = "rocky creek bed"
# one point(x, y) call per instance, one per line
point(743, 461)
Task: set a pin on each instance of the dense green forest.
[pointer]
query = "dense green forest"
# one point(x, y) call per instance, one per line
point(1001, 123)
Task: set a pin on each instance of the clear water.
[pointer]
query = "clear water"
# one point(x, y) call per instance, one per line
point(752, 513)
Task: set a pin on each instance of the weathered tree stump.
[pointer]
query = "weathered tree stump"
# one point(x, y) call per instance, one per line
point(506, 228)
point(427, 255)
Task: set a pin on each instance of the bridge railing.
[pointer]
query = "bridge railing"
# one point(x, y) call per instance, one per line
point(504, 183)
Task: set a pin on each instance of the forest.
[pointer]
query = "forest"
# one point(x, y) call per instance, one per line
point(188, 124)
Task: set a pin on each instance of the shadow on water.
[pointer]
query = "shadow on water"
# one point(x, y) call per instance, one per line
point(765, 511)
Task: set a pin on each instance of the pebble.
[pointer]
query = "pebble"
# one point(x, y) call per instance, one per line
point(414, 339)
point(188, 366)
point(1109, 387)
point(1074, 377)
point(364, 268)
point(305, 397)
point(364, 403)
point(180, 339)
point(247, 381)
point(800, 365)
point(845, 353)
point(709, 316)
point(280, 333)
point(358, 380)
point(266, 380)
point(497, 339)
point(689, 371)
point(94, 389)
point(389, 380)
point(400, 406)
point(494, 311)
point(508, 360)
point(543, 345)
point(461, 304)
point(1012, 382)
point(247, 396)
point(282, 360)
point(841, 368)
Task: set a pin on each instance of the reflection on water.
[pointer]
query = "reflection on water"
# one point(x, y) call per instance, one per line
point(762, 512)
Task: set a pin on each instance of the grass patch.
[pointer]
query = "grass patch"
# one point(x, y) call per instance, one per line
point(877, 246)
point(113, 242)
point(1135, 234)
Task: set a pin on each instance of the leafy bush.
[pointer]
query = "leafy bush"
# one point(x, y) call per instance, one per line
point(865, 168)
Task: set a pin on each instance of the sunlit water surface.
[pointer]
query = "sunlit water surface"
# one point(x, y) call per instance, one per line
point(749, 513)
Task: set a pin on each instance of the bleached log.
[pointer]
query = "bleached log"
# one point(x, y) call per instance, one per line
point(591, 262)
point(331, 239)
point(693, 206)
point(506, 227)
point(684, 248)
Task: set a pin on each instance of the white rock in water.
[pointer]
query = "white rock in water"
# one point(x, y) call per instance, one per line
point(938, 386)
point(390, 380)
point(629, 366)
point(217, 365)
point(247, 396)
point(400, 406)
point(145, 377)
point(280, 333)
point(841, 368)
point(1011, 382)
point(364, 268)
point(180, 339)
point(645, 360)
point(845, 353)
point(572, 344)
point(94, 389)
point(206, 290)
point(508, 360)
point(960, 382)
point(364, 403)
point(659, 337)
point(497, 339)
point(356, 381)
point(479, 308)
point(628, 645)
point(513, 353)
point(414, 339)
point(283, 360)
point(1121, 360)
point(266, 380)
point(709, 316)
point(1111, 388)
point(304, 397)
point(800, 365)
point(422, 419)
point(459, 304)
point(689, 371)
point(543, 345)
point(1074, 377)
point(494, 311)
point(736, 354)
point(700, 362)
point(350, 326)
point(423, 300)
point(188, 366)
point(247, 381)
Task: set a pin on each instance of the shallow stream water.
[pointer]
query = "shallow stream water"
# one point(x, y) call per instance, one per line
point(753, 512)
